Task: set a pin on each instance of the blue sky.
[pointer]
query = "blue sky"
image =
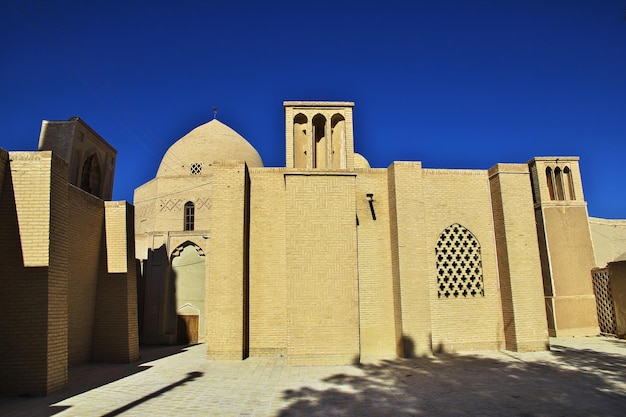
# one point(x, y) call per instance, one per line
point(454, 84)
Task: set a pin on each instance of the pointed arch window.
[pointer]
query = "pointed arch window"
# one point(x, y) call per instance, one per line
point(301, 140)
point(459, 264)
point(550, 181)
point(319, 141)
point(569, 183)
point(558, 179)
point(90, 177)
point(338, 138)
point(189, 215)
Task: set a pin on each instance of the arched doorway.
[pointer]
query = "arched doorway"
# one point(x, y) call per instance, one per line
point(188, 270)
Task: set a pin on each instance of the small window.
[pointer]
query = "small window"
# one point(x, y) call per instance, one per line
point(196, 168)
point(189, 215)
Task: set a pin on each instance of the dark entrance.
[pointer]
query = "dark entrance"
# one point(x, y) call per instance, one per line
point(187, 329)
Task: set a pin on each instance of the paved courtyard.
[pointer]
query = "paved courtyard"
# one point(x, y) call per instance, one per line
point(577, 377)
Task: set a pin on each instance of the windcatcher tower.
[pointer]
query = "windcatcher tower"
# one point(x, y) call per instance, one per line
point(565, 246)
point(319, 135)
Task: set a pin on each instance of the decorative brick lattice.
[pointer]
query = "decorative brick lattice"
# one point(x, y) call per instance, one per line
point(196, 168)
point(604, 301)
point(203, 203)
point(459, 265)
point(169, 204)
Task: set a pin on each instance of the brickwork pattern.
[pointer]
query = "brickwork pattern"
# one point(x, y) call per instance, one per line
point(376, 296)
point(268, 284)
point(84, 245)
point(34, 349)
point(412, 289)
point(22, 355)
point(321, 269)
point(463, 197)
point(57, 349)
point(33, 204)
point(115, 334)
point(225, 296)
point(519, 268)
point(159, 207)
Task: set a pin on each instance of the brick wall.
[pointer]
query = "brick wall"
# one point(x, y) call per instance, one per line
point(33, 354)
point(115, 334)
point(411, 286)
point(226, 298)
point(519, 267)
point(268, 284)
point(84, 246)
point(462, 197)
point(57, 349)
point(376, 296)
point(321, 268)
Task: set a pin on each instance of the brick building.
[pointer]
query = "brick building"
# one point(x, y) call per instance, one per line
point(330, 261)
point(67, 265)
point(325, 260)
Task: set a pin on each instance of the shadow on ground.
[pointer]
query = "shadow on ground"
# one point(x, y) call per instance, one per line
point(564, 382)
point(84, 378)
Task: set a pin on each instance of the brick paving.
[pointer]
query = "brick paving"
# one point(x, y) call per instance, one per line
point(577, 377)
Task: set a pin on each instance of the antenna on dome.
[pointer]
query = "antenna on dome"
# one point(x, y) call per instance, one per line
point(215, 109)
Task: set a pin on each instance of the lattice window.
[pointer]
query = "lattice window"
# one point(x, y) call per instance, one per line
point(196, 168)
point(459, 264)
point(604, 301)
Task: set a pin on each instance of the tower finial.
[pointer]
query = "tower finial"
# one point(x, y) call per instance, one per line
point(215, 109)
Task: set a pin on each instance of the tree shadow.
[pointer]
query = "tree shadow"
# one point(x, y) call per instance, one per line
point(565, 381)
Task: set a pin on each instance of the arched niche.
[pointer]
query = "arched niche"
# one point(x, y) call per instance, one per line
point(188, 276)
point(301, 140)
point(569, 182)
point(90, 176)
point(550, 182)
point(338, 135)
point(319, 142)
point(558, 183)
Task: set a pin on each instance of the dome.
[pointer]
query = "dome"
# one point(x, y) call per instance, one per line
point(212, 141)
point(360, 161)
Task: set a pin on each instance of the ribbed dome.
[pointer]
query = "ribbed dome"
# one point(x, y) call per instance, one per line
point(212, 141)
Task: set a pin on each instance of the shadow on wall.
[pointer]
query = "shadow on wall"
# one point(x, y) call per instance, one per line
point(565, 381)
point(409, 350)
point(158, 292)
